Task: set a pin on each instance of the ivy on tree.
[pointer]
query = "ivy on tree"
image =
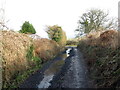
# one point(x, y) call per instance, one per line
point(57, 34)
point(54, 32)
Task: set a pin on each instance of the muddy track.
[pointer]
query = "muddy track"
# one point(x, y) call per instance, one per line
point(62, 72)
point(73, 74)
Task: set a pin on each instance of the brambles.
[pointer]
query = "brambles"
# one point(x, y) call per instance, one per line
point(46, 49)
point(102, 53)
point(22, 56)
point(14, 55)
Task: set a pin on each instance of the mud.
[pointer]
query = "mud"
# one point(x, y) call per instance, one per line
point(67, 70)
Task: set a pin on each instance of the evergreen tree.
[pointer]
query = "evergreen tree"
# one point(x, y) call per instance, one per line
point(27, 28)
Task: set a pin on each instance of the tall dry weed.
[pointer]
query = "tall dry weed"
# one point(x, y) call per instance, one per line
point(18, 48)
point(46, 49)
point(108, 38)
point(15, 47)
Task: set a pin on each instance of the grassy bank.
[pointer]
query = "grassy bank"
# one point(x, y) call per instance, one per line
point(102, 53)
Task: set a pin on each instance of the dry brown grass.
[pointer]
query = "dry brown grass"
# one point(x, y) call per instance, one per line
point(14, 51)
point(108, 38)
point(46, 49)
point(119, 38)
point(1, 59)
point(15, 48)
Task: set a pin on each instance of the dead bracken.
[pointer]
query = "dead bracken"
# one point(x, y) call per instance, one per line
point(17, 49)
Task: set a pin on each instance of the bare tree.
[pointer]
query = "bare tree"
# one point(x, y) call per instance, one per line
point(2, 15)
point(95, 20)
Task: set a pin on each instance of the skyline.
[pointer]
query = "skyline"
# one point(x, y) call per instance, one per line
point(64, 13)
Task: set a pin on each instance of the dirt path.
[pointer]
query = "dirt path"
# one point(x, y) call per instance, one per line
point(65, 72)
point(75, 75)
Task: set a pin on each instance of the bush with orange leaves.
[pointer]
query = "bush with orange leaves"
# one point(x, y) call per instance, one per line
point(109, 38)
point(46, 49)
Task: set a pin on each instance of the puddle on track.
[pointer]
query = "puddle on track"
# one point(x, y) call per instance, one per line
point(55, 67)
point(68, 51)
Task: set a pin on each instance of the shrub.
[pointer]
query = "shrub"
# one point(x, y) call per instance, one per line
point(22, 56)
point(57, 34)
point(14, 51)
point(27, 28)
point(19, 59)
point(46, 49)
point(102, 58)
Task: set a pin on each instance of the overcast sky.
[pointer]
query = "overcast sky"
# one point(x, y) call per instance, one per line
point(64, 13)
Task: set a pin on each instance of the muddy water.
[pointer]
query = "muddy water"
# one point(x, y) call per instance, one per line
point(53, 69)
